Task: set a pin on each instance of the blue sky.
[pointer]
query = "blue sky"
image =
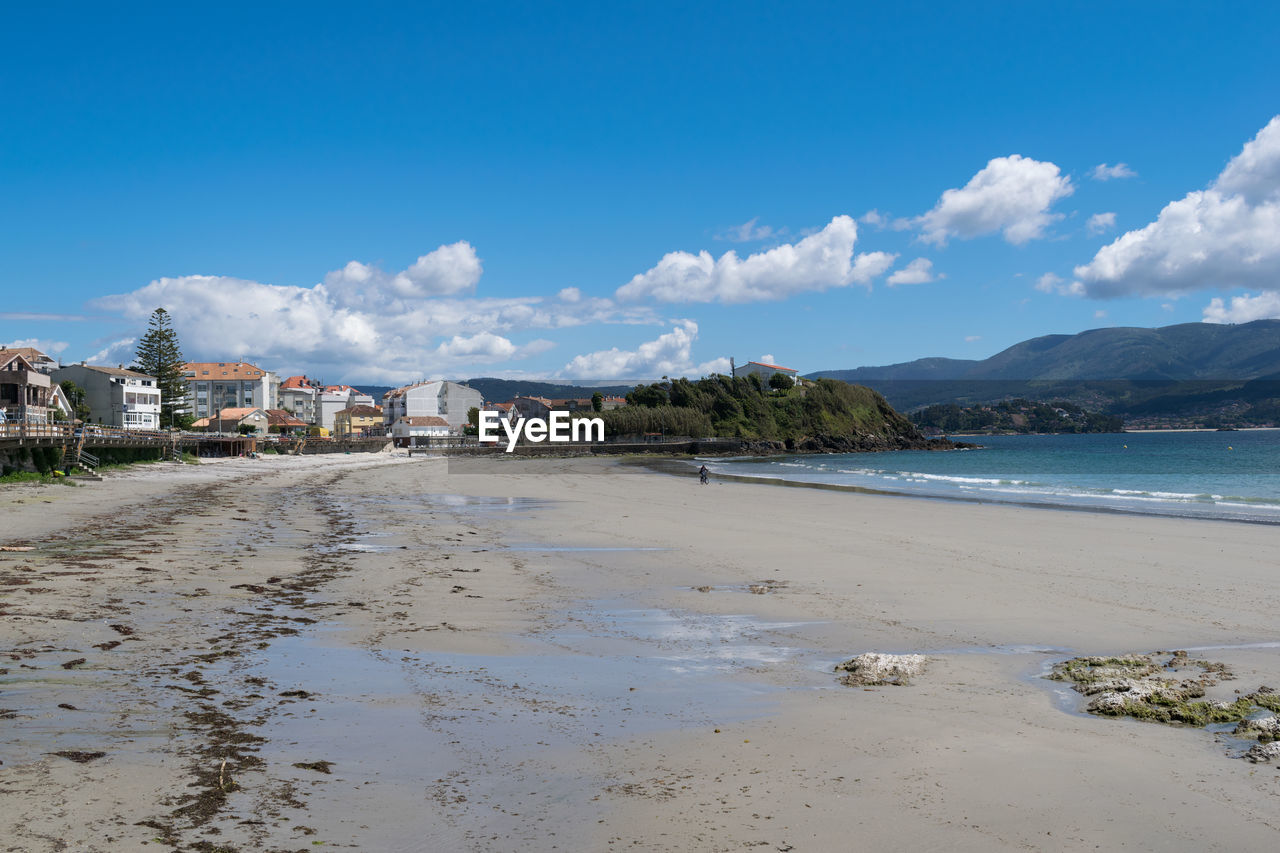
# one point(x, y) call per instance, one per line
point(394, 191)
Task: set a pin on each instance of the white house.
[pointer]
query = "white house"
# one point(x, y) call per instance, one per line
point(407, 428)
point(300, 395)
point(443, 399)
point(116, 397)
point(765, 370)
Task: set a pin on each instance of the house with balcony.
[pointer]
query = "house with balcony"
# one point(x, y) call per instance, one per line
point(25, 390)
point(301, 395)
point(215, 385)
point(116, 396)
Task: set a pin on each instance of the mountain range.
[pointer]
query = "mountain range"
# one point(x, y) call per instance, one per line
point(1187, 371)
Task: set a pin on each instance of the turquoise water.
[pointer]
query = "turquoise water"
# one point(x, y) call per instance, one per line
point(1232, 475)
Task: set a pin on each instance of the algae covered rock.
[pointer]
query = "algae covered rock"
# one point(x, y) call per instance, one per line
point(875, 668)
point(1264, 753)
point(1265, 729)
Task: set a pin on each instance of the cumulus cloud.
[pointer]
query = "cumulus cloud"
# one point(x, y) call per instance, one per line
point(971, 339)
point(362, 322)
point(120, 351)
point(1100, 222)
point(671, 354)
point(1011, 195)
point(820, 261)
point(919, 271)
point(46, 346)
point(1243, 309)
point(1225, 236)
point(570, 294)
point(1103, 172)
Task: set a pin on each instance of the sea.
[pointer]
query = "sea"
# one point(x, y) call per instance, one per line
point(1225, 475)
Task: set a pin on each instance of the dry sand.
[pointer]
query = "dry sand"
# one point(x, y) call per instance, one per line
point(394, 654)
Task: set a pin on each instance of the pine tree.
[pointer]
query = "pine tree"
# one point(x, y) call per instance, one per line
point(160, 355)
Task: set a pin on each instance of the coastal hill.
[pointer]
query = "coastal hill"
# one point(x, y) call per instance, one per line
point(1191, 370)
point(822, 415)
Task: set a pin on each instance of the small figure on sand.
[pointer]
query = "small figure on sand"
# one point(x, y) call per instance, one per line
point(702, 475)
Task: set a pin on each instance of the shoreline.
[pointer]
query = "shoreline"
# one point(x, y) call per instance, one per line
point(678, 466)
point(576, 653)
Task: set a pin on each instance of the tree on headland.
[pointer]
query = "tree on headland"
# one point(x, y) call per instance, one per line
point(160, 355)
point(780, 382)
point(597, 402)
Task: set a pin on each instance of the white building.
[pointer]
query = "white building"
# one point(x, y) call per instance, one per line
point(440, 398)
point(765, 371)
point(115, 396)
point(406, 429)
point(333, 399)
point(215, 385)
point(301, 396)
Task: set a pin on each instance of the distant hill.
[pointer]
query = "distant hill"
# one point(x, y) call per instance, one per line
point(1184, 371)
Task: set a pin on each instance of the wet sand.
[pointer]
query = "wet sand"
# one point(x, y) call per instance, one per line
point(394, 654)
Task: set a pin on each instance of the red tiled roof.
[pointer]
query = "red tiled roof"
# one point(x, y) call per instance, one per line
point(279, 417)
point(773, 366)
point(222, 370)
point(301, 382)
point(423, 420)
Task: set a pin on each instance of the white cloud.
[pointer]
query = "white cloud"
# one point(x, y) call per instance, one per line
point(360, 322)
point(969, 339)
point(767, 358)
point(1243, 309)
point(1225, 236)
point(116, 352)
point(1103, 172)
point(1100, 222)
point(1011, 195)
point(818, 262)
point(570, 294)
point(1050, 283)
point(46, 346)
point(748, 232)
point(1100, 314)
point(669, 355)
point(918, 271)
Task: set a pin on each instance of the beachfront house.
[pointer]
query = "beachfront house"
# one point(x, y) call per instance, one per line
point(281, 422)
point(357, 420)
point(24, 389)
point(38, 360)
point(301, 396)
point(253, 419)
point(335, 398)
point(410, 427)
point(214, 385)
point(439, 398)
point(116, 396)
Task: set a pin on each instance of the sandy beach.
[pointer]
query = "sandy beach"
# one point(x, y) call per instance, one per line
point(373, 652)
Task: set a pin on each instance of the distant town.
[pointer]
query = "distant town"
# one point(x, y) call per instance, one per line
point(238, 397)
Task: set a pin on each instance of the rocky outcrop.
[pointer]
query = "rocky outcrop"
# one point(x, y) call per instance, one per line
point(874, 668)
point(1263, 753)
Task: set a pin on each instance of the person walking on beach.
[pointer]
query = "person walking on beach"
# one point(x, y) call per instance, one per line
point(702, 475)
